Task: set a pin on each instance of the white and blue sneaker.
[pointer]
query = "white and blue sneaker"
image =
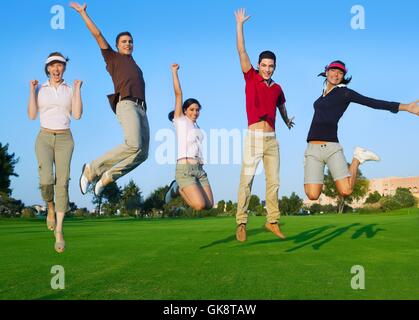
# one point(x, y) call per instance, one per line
point(102, 183)
point(84, 181)
point(172, 193)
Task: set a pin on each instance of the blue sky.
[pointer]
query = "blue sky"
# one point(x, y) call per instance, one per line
point(200, 36)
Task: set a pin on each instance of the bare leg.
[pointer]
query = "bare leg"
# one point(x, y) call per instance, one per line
point(59, 235)
point(209, 198)
point(345, 186)
point(194, 197)
point(51, 216)
point(313, 191)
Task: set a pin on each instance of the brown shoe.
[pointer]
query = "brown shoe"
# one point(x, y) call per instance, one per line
point(241, 232)
point(274, 228)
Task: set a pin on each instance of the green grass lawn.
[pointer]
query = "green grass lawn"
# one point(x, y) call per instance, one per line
point(200, 258)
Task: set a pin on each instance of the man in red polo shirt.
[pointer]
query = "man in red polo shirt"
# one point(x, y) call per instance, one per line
point(263, 96)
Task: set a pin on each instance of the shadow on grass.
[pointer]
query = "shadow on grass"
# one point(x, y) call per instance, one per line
point(368, 230)
point(232, 237)
point(311, 237)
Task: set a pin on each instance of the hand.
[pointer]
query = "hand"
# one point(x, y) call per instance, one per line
point(175, 67)
point(241, 16)
point(78, 84)
point(413, 107)
point(33, 84)
point(290, 123)
point(79, 8)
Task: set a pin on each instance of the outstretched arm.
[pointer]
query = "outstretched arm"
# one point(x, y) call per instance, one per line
point(178, 91)
point(32, 105)
point(76, 104)
point(412, 107)
point(241, 18)
point(283, 110)
point(81, 9)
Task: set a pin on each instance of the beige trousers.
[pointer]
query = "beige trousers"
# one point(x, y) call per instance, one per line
point(53, 149)
point(259, 146)
point(134, 151)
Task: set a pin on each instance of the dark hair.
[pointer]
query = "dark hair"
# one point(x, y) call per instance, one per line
point(267, 55)
point(185, 107)
point(55, 54)
point(125, 33)
point(345, 80)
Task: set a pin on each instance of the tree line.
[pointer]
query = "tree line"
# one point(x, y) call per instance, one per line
point(129, 200)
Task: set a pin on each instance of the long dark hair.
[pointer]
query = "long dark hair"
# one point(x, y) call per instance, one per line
point(185, 107)
point(345, 80)
point(55, 54)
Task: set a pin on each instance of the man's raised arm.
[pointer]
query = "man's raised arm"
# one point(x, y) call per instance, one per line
point(241, 18)
point(103, 44)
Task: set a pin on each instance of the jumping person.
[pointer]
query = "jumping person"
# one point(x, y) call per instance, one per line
point(55, 101)
point(263, 96)
point(128, 102)
point(323, 144)
point(191, 179)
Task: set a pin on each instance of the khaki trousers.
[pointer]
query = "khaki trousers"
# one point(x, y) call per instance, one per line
point(54, 149)
point(134, 151)
point(259, 146)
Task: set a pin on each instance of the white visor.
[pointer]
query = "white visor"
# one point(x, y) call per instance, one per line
point(55, 58)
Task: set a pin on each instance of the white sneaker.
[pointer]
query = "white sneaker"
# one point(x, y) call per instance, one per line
point(84, 181)
point(365, 155)
point(101, 184)
point(172, 192)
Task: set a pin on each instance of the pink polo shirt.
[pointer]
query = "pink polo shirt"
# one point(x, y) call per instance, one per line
point(262, 99)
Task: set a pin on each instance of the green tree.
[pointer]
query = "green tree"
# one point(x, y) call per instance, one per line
point(229, 206)
point(405, 198)
point(373, 197)
point(221, 206)
point(254, 202)
point(260, 210)
point(359, 191)
point(155, 200)
point(111, 195)
point(291, 205)
point(10, 207)
point(7, 168)
point(389, 203)
point(131, 199)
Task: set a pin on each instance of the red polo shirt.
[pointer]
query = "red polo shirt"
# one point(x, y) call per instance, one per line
point(261, 99)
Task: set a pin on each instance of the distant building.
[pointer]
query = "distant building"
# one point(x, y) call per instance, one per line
point(384, 186)
point(388, 186)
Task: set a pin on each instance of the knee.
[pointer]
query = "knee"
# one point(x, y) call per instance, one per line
point(134, 148)
point(198, 206)
point(313, 196)
point(47, 191)
point(345, 192)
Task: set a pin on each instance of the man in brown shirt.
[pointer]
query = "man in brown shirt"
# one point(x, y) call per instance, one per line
point(128, 102)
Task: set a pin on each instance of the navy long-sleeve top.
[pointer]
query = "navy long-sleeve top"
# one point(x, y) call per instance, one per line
point(330, 108)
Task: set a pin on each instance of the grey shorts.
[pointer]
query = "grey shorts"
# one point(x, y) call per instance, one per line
point(319, 155)
point(188, 174)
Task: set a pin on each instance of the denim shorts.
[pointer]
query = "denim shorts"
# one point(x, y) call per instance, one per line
point(188, 174)
point(319, 155)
